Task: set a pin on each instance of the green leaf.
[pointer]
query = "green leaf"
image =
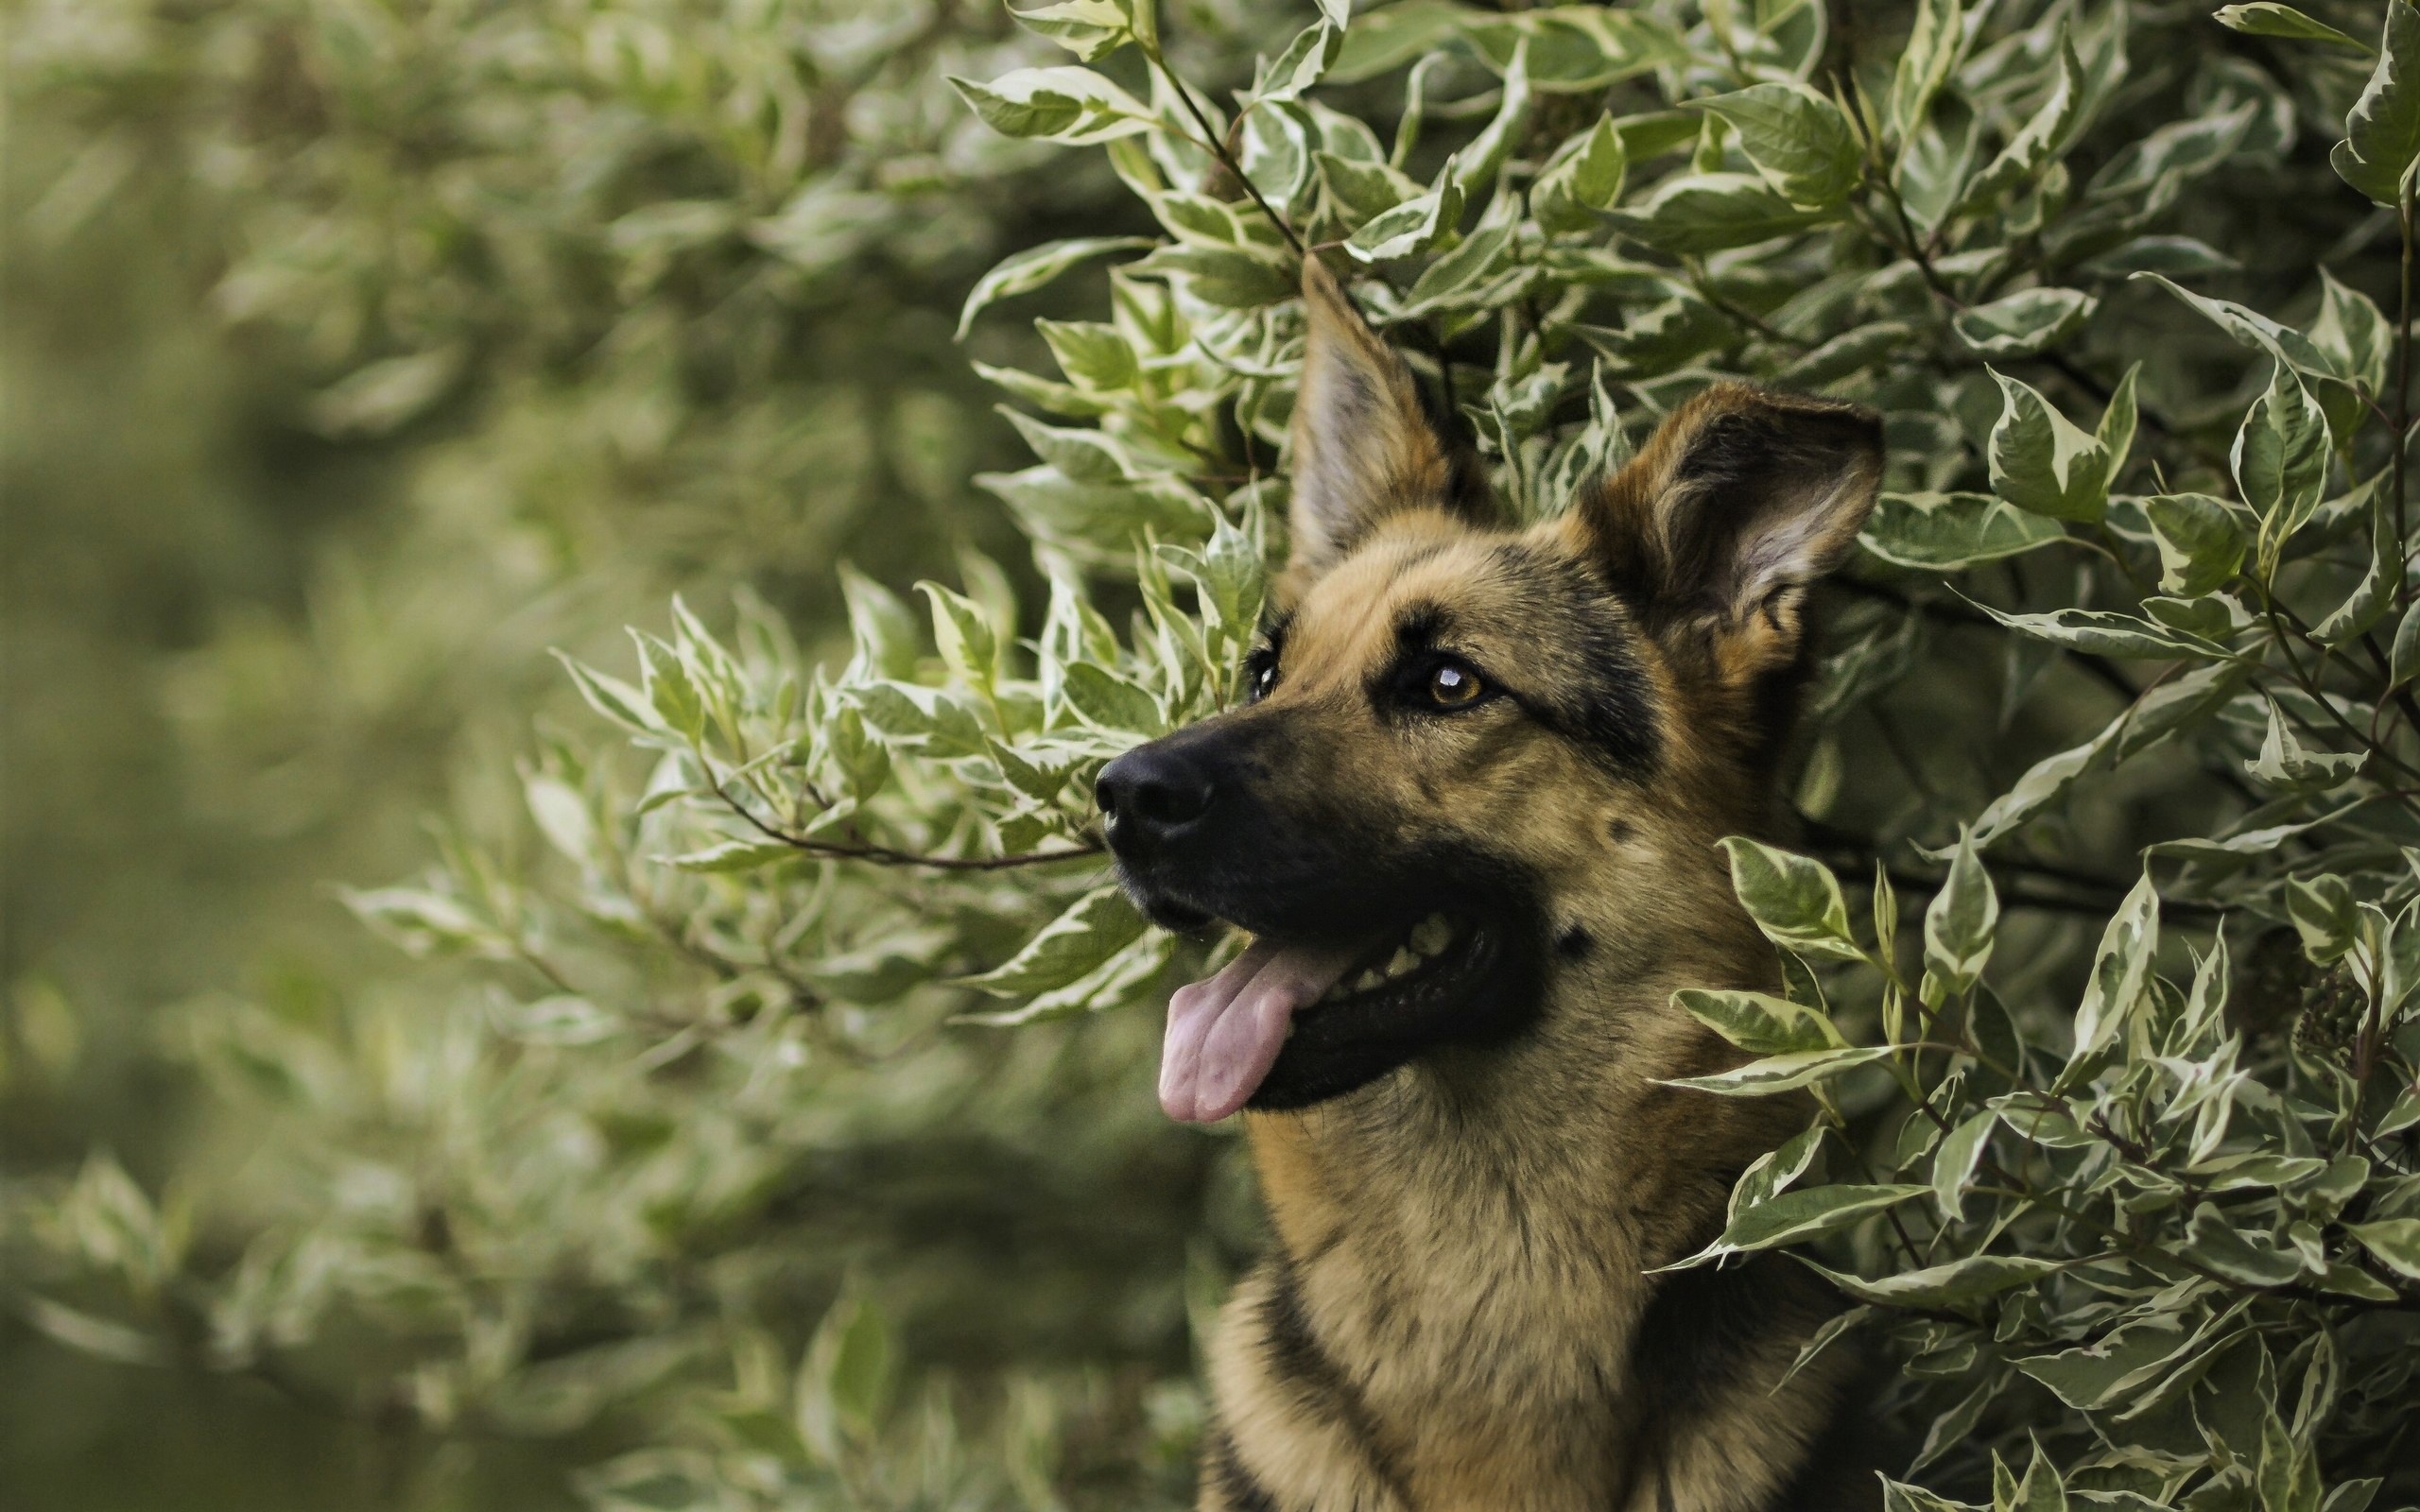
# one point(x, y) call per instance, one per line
point(2121, 970)
point(2395, 1241)
point(1026, 271)
point(1109, 984)
point(2267, 18)
point(885, 639)
point(2283, 762)
point(2100, 632)
point(1955, 1159)
point(1229, 277)
point(562, 816)
point(2040, 140)
point(2383, 133)
point(964, 635)
point(1583, 177)
point(1416, 225)
point(2091, 1376)
point(2215, 1244)
point(734, 856)
point(421, 921)
point(1960, 924)
point(2373, 595)
point(845, 1382)
point(1775, 1170)
point(612, 697)
point(1957, 1281)
point(2280, 460)
point(1760, 1023)
point(1572, 49)
point(1852, 352)
point(1392, 36)
point(1363, 190)
point(1945, 532)
point(1305, 60)
point(559, 1020)
point(1901, 1498)
point(1690, 214)
point(2024, 323)
point(1795, 900)
point(2043, 462)
point(2041, 1490)
point(2405, 662)
point(1111, 702)
point(2353, 333)
point(1478, 162)
point(2201, 544)
point(1100, 924)
point(1065, 104)
point(1093, 355)
point(1795, 1217)
point(1092, 29)
point(1799, 141)
point(1782, 1072)
point(1925, 63)
point(2320, 909)
point(2288, 1473)
point(2043, 783)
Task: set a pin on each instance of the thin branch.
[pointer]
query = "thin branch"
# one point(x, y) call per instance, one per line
point(886, 856)
point(1217, 146)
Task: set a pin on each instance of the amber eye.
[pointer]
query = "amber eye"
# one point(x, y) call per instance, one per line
point(1260, 675)
point(1452, 685)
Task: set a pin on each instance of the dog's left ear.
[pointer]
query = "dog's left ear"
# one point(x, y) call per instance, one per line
point(1742, 499)
point(1363, 448)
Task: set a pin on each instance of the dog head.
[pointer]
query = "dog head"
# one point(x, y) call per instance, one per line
point(1469, 751)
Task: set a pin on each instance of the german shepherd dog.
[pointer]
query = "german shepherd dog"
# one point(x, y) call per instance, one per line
point(1469, 819)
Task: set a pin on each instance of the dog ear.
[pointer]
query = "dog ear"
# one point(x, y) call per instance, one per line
point(1742, 497)
point(1363, 448)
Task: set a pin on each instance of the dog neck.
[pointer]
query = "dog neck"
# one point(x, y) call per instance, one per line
point(1467, 1241)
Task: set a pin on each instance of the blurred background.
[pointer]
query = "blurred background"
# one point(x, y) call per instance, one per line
point(357, 353)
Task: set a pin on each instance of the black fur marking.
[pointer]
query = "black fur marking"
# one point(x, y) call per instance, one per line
point(1420, 626)
point(1295, 1354)
point(1705, 1327)
point(1237, 1486)
point(1574, 944)
point(1596, 694)
point(1275, 630)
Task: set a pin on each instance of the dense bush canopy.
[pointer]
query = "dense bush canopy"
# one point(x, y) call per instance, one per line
point(774, 1126)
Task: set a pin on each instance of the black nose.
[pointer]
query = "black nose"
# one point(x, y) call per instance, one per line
point(1152, 795)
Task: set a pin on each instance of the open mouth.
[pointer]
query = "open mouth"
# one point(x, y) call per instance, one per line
point(1419, 951)
point(1289, 1024)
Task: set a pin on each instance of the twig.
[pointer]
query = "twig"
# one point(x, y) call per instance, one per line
point(1217, 146)
point(886, 856)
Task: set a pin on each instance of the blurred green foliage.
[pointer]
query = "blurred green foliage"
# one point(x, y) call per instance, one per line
point(359, 353)
point(356, 355)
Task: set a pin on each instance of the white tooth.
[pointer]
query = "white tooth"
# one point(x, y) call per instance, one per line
point(1369, 979)
point(1404, 961)
point(1431, 935)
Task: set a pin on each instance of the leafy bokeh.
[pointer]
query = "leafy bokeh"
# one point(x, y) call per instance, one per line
point(738, 1097)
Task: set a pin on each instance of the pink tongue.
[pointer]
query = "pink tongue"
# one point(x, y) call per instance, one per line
point(1224, 1034)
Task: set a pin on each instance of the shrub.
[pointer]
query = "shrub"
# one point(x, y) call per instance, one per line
point(2116, 1153)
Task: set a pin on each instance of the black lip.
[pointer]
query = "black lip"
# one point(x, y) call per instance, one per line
point(1483, 990)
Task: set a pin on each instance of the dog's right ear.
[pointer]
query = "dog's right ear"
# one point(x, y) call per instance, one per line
point(1362, 446)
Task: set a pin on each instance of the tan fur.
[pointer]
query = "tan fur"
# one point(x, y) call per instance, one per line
point(1468, 1237)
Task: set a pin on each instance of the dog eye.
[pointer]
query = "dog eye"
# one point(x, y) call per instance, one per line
point(1260, 675)
point(1453, 685)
